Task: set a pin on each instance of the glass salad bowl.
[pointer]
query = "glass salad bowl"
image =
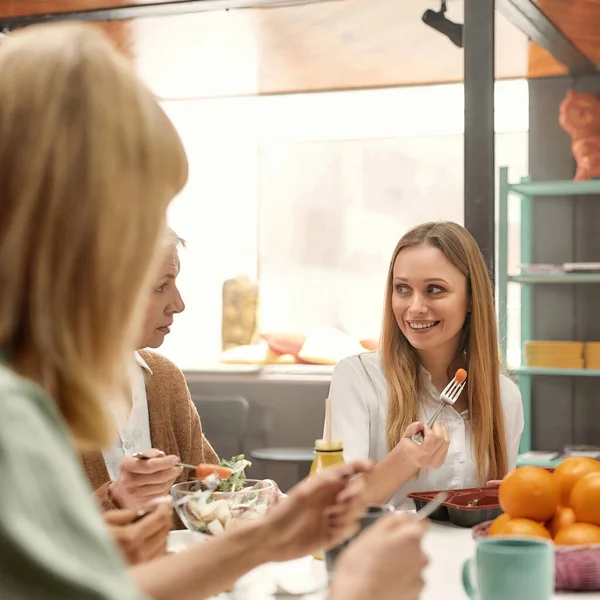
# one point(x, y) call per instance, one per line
point(212, 513)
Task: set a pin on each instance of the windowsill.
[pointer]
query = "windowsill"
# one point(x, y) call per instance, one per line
point(293, 372)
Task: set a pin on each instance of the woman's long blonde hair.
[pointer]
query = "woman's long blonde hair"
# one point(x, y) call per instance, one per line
point(88, 166)
point(478, 353)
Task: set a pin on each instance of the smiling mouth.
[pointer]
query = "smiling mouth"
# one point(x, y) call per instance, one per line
point(422, 325)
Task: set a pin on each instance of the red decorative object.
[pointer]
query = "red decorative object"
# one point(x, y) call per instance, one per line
point(371, 344)
point(577, 567)
point(580, 117)
point(285, 343)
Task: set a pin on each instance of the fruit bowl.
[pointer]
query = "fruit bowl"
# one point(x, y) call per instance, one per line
point(577, 567)
point(213, 514)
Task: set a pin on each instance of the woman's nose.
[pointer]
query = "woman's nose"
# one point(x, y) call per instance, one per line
point(179, 305)
point(418, 305)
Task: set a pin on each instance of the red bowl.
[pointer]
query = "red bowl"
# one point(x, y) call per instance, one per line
point(464, 507)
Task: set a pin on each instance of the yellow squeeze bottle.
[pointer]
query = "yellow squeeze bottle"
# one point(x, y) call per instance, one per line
point(327, 454)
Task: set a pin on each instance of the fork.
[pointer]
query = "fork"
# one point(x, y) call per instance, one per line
point(448, 397)
point(141, 456)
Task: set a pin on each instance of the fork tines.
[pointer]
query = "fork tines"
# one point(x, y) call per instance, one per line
point(452, 391)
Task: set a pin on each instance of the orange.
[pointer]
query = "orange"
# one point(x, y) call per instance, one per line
point(578, 534)
point(525, 527)
point(585, 499)
point(498, 524)
point(572, 470)
point(563, 518)
point(529, 493)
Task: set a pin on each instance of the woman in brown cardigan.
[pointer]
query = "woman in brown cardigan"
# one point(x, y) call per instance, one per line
point(163, 421)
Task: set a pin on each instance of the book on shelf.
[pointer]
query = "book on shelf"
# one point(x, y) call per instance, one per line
point(562, 269)
point(537, 269)
point(584, 267)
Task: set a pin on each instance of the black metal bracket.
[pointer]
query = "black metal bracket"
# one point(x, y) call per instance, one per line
point(525, 15)
point(139, 11)
point(479, 157)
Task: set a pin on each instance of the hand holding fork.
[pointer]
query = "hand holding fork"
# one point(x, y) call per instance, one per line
point(448, 397)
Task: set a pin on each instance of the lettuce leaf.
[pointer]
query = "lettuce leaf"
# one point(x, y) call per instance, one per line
point(238, 464)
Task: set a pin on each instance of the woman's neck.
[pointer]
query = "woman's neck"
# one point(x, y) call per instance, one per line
point(438, 363)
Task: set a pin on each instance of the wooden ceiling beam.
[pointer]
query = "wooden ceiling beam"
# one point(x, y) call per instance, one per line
point(139, 11)
point(526, 15)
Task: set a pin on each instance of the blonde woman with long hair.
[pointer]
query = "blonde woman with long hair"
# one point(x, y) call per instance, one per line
point(438, 316)
point(88, 166)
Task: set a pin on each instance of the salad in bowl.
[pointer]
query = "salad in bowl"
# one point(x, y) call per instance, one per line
point(212, 509)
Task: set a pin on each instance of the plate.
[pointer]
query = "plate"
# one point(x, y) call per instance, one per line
point(300, 579)
point(183, 539)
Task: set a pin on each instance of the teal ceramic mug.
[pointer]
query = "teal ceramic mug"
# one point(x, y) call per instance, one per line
point(510, 569)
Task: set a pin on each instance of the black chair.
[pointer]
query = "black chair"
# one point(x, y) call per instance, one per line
point(224, 422)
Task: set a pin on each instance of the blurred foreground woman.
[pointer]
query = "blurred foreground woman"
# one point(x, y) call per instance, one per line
point(88, 165)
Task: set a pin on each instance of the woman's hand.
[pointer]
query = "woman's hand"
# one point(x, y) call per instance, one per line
point(319, 512)
point(384, 562)
point(141, 481)
point(397, 467)
point(431, 454)
point(142, 540)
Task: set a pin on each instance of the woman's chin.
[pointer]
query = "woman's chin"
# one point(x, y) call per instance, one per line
point(421, 344)
point(423, 341)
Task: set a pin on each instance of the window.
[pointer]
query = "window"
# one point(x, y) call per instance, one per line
point(311, 192)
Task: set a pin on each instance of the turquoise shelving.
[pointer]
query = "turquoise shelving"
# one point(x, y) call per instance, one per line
point(529, 192)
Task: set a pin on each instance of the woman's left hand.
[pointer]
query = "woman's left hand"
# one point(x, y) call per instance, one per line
point(143, 540)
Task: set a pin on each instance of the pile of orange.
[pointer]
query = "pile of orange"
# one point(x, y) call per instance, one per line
point(563, 506)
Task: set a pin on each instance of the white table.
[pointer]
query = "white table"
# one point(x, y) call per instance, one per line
point(447, 546)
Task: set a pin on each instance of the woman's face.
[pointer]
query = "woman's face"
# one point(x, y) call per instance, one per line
point(430, 298)
point(165, 302)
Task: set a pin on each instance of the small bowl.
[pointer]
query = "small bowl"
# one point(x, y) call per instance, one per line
point(223, 509)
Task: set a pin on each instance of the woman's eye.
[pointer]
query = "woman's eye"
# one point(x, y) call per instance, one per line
point(161, 288)
point(435, 289)
point(401, 288)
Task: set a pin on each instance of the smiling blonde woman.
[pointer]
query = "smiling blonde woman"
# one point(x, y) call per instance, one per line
point(438, 316)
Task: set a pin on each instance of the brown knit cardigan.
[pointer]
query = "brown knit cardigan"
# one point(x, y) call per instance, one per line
point(175, 426)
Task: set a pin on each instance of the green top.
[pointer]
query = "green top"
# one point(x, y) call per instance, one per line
point(53, 541)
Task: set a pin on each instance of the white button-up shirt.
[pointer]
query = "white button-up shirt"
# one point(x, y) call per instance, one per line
point(133, 429)
point(359, 405)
